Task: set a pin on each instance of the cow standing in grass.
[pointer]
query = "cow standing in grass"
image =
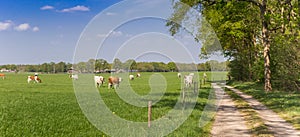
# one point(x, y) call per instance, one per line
point(99, 80)
point(188, 80)
point(35, 79)
point(131, 77)
point(138, 75)
point(179, 75)
point(74, 76)
point(2, 75)
point(114, 81)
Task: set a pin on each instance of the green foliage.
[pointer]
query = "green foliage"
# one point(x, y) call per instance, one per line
point(285, 63)
point(240, 27)
point(100, 65)
point(172, 66)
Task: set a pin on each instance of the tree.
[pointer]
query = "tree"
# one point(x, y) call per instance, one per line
point(239, 30)
point(101, 64)
point(130, 64)
point(45, 67)
point(52, 67)
point(172, 66)
point(117, 64)
point(61, 67)
point(133, 65)
point(90, 65)
point(81, 67)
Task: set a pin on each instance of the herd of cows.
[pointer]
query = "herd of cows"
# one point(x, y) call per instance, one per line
point(112, 81)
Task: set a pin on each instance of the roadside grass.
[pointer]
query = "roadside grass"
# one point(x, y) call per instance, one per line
point(284, 103)
point(51, 109)
point(253, 121)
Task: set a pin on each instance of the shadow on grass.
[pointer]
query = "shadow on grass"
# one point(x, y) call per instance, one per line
point(285, 103)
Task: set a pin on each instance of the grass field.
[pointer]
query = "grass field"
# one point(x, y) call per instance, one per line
point(51, 109)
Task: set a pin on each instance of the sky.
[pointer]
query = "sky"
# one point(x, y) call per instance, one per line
point(39, 31)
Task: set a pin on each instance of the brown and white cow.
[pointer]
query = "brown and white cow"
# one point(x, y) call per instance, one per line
point(35, 79)
point(179, 75)
point(114, 81)
point(2, 75)
point(138, 75)
point(131, 77)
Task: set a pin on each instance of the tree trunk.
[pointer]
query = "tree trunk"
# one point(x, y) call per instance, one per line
point(266, 44)
point(298, 11)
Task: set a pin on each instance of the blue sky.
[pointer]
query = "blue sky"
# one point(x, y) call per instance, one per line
point(38, 31)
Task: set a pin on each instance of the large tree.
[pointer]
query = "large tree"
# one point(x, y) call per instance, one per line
point(242, 26)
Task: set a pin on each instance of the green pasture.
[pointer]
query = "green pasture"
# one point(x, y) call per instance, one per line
point(50, 108)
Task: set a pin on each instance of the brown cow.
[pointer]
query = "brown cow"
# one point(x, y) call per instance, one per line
point(114, 81)
point(2, 75)
point(34, 78)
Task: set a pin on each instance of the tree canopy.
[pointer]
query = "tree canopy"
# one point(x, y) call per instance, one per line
point(260, 37)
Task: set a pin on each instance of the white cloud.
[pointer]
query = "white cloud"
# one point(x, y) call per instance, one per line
point(35, 29)
point(116, 33)
point(102, 35)
point(5, 25)
point(112, 34)
point(110, 14)
point(22, 27)
point(76, 8)
point(47, 7)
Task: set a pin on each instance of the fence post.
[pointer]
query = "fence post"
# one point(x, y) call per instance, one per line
point(149, 113)
point(195, 87)
point(200, 83)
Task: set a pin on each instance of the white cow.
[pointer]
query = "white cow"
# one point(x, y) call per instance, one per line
point(179, 75)
point(131, 77)
point(188, 80)
point(204, 75)
point(191, 74)
point(74, 76)
point(99, 80)
point(138, 75)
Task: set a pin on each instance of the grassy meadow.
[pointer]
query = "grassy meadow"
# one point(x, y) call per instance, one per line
point(50, 108)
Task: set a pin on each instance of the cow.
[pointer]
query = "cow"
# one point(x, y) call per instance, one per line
point(114, 81)
point(188, 80)
point(138, 75)
point(99, 80)
point(179, 75)
point(74, 76)
point(191, 74)
point(131, 77)
point(35, 79)
point(2, 75)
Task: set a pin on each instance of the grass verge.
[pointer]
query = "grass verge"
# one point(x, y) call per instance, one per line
point(284, 103)
point(253, 121)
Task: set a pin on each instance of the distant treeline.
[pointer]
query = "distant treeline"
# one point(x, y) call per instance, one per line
point(101, 65)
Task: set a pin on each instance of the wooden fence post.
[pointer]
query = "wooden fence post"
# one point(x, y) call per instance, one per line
point(149, 113)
